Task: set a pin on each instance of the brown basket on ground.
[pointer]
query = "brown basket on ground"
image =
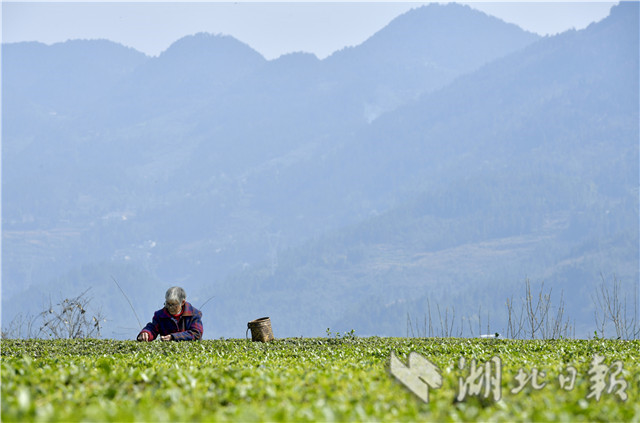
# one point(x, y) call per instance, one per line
point(260, 330)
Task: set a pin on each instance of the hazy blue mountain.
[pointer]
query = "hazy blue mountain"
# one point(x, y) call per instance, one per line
point(419, 51)
point(542, 97)
point(325, 102)
point(46, 86)
point(525, 168)
point(449, 150)
point(63, 77)
point(193, 71)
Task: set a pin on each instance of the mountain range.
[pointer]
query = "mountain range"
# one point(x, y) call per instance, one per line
point(440, 163)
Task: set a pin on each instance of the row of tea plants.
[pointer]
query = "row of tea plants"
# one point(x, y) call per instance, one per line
point(319, 379)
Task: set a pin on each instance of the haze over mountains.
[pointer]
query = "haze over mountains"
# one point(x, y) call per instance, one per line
point(442, 161)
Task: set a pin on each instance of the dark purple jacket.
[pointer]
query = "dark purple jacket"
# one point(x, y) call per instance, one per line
point(187, 327)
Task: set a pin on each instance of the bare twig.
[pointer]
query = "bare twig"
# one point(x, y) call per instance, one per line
point(611, 308)
point(130, 305)
point(205, 303)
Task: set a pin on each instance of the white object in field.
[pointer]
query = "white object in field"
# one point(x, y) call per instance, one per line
point(494, 336)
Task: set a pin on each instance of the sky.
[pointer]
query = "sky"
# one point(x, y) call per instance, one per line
point(272, 29)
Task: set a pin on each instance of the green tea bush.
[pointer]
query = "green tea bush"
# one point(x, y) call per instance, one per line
point(314, 379)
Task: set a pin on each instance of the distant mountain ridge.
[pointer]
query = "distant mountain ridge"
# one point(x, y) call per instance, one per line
point(532, 87)
point(449, 150)
point(413, 54)
point(83, 69)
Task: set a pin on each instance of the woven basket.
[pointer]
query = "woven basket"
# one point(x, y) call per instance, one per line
point(260, 330)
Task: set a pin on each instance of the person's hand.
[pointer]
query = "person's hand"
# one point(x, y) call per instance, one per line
point(165, 338)
point(143, 336)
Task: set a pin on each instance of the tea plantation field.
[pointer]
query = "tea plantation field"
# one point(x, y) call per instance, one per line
point(319, 379)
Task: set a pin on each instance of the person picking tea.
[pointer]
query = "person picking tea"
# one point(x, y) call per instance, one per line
point(177, 321)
